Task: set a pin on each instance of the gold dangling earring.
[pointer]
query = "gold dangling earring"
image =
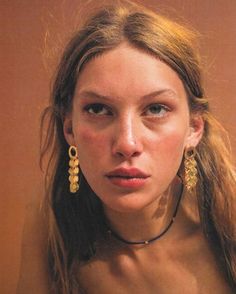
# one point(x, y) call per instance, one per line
point(190, 168)
point(74, 169)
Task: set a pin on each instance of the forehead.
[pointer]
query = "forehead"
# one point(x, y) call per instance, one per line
point(126, 71)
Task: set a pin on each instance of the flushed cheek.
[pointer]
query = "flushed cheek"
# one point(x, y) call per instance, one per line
point(92, 147)
point(172, 145)
point(168, 150)
point(91, 139)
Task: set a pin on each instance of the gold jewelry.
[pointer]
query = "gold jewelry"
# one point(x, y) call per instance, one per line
point(190, 168)
point(74, 169)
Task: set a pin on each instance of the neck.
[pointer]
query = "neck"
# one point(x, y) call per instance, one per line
point(149, 224)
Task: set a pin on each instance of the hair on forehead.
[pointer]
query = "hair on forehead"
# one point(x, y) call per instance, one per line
point(72, 237)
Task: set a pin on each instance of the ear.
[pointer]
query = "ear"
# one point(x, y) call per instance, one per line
point(68, 129)
point(196, 130)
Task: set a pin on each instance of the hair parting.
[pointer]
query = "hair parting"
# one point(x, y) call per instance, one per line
point(76, 223)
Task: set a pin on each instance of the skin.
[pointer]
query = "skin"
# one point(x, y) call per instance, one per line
point(143, 121)
point(131, 132)
point(114, 124)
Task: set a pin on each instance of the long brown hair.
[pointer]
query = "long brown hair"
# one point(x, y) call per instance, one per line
point(76, 221)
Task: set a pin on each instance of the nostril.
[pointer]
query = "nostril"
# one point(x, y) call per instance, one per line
point(123, 154)
point(127, 150)
point(127, 155)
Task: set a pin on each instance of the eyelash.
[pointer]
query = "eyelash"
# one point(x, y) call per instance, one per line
point(94, 108)
point(160, 107)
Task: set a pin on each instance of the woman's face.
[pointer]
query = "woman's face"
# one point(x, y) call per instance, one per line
point(130, 122)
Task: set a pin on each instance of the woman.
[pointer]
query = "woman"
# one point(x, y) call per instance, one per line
point(147, 204)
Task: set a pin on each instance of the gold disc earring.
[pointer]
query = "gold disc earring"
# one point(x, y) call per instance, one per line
point(190, 168)
point(73, 169)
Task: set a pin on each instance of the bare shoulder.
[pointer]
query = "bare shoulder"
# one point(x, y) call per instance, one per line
point(33, 276)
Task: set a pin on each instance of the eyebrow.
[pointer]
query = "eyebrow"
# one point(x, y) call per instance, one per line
point(92, 94)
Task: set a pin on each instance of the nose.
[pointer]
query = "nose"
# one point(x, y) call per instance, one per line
point(127, 140)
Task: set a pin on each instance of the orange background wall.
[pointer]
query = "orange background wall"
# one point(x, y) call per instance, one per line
point(26, 69)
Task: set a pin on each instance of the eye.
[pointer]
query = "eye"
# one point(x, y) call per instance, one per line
point(156, 109)
point(97, 109)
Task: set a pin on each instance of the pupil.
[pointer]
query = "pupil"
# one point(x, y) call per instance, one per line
point(97, 108)
point(155, 108)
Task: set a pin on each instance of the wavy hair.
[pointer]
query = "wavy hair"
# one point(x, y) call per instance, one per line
point(75, 223)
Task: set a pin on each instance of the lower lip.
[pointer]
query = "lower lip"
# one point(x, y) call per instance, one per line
point(128, 183)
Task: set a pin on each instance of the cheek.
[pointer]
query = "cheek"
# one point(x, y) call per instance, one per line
point(169, 146)
point(174, 142)
point(90, 142)
point(91, 149)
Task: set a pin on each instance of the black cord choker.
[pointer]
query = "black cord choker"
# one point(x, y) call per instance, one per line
point(146, 242)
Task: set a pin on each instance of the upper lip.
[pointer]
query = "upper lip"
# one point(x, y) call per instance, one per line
point(128, 172)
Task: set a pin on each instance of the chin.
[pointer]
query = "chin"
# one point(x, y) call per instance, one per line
point(128, 203)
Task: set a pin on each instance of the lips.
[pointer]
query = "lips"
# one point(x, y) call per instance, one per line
point(128, 178)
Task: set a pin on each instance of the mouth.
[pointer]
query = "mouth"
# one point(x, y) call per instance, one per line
point(128, 178)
